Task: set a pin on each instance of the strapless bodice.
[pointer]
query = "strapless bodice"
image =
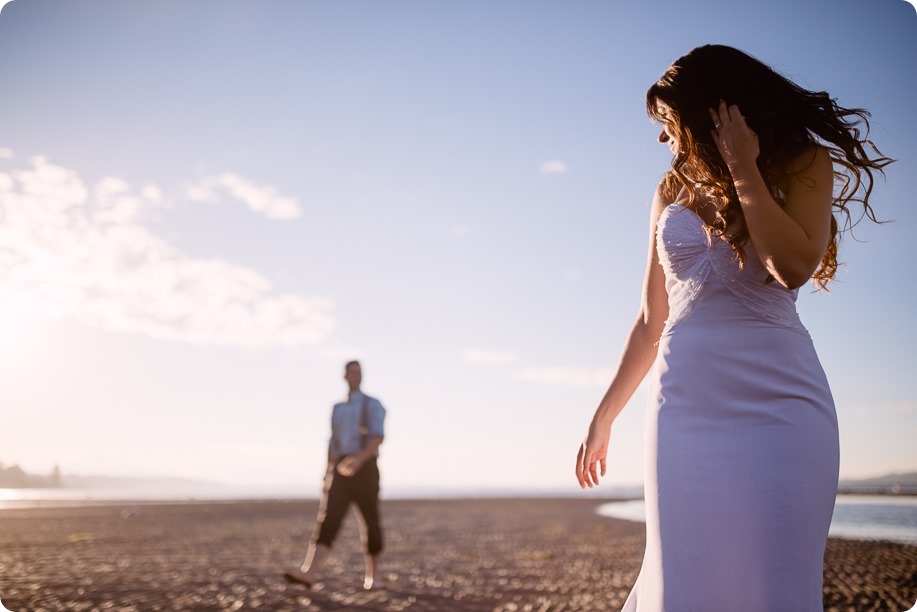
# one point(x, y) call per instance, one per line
point(693, 259)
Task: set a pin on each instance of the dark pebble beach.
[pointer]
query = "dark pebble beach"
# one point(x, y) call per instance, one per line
point(469, 554)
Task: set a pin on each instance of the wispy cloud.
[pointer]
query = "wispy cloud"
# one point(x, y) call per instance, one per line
point(5, 153)
point(553, 166)
point(568, 375)
point(71, 250)
point(262, 199)
point(488, 357)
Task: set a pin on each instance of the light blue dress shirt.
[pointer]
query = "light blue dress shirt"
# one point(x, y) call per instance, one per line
point(345, 424)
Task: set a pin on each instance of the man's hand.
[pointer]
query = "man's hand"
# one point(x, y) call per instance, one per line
point(350, 465)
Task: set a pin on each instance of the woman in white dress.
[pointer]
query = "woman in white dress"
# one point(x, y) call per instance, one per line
point(741, 458)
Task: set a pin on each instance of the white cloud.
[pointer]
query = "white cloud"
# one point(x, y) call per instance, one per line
point(114, 202)
point(151, 192)
point(261, 199)
point(71, 251)
point(554, 166)
point(5, 152)
point(568, 375)
point(51, 188)
point(488, 357)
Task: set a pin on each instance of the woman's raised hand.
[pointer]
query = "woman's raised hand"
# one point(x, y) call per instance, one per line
point(736, 142)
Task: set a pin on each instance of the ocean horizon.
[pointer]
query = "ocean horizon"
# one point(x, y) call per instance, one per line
point(145, 493)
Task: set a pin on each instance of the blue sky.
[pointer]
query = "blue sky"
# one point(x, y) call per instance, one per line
point(206, 208)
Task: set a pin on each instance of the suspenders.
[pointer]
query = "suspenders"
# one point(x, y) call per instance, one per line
point(364, 422)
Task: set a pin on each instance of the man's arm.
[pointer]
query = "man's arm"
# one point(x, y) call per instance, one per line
point(375, 419)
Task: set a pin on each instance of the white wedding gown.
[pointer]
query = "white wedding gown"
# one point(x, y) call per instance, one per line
point(741, 439)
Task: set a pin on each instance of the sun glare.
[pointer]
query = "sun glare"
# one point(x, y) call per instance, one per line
point(9, 495)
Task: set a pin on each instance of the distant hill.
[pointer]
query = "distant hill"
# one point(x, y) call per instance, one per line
point(14, 477)
point(125, 482)
point(891, 483)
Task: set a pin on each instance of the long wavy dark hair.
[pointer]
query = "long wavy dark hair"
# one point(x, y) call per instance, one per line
point(789, 121)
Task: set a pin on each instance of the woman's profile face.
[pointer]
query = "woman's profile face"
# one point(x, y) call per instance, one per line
point(669, 133)
point(670, 137)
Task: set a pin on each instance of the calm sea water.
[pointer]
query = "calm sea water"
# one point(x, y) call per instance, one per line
point(858, 517)
point(144, 492)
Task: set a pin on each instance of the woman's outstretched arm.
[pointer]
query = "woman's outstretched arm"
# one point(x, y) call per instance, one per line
point(637, 357)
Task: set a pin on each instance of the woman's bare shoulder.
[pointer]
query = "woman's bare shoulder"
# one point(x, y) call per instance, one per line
point(808, 168)
point(667, 190)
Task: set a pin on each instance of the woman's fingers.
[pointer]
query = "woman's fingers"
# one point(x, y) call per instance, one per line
point(722, 114)
point(591, 458)
point(726, 115)
point(735, 114)
point(586, 467)
point(717, 125)
point(735, 140)
point(579, 466)
point(593, 467)
point(714, 117)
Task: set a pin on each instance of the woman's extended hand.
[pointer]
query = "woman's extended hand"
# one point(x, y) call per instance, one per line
point(736, 142)
point(591, 455)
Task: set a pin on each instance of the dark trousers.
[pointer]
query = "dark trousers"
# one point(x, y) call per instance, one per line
point(361, 489)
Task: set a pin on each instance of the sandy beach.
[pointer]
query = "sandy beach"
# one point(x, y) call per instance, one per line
point(491, 554)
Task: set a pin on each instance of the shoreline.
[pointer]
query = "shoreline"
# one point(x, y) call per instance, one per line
point(880, 531)
point(89, 497)
point(441, 554)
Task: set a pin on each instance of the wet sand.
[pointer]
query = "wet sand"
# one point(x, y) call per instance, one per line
point(492, 554)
